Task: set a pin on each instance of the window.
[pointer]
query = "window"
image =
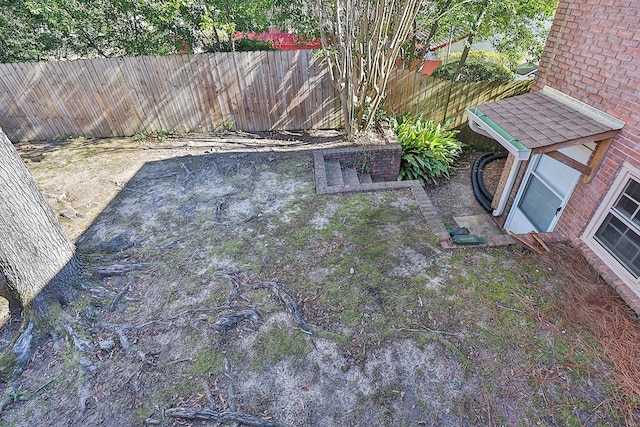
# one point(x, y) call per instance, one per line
point(539, 203)
point(614, 233)
point(620, 231)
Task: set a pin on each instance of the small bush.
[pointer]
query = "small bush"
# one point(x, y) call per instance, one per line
point(483, 56)
point(480, 66)
point(429, 150)
point(245, 44)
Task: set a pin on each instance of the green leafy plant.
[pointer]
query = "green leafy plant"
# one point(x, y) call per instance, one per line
point(480, 66)
point(244, 44)
point(429, 150)
point(164, 134)
point(160, 135)
point(141, 136)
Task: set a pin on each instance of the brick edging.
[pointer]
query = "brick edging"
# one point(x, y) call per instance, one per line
point(428, 210)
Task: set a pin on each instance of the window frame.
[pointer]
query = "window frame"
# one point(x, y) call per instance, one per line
point(627, 172)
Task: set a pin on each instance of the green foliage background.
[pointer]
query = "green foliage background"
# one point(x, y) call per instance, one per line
point(480, 66)
point(35, 30)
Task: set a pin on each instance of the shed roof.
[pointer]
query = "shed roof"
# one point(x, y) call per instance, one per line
point(542, 121)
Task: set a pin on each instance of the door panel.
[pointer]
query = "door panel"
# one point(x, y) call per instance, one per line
point(539, 204)
point(547, 186)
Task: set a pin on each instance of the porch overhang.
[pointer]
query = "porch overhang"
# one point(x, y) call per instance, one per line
point(544, 122)
point(485, 125)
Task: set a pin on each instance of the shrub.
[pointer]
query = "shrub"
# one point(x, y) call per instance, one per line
point(429, 150)
point(483, 56)
point(480, 66)
point(244, 44)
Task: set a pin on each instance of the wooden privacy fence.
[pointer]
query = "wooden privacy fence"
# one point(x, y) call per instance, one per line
point(415, 93)
point(252, 91)
point(184, 93)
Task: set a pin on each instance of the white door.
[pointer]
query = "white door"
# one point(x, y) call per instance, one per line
point(547, 186)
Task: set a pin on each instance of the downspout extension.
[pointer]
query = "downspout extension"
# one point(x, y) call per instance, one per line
point(511, 179)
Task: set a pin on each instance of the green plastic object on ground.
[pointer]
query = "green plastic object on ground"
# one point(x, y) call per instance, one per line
point(467, 239)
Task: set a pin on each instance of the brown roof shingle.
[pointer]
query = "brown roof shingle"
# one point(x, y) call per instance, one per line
point(539, 120)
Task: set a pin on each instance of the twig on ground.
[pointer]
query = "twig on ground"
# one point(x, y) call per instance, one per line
point(439, 337)
point(435, 331)
point(502, 307)
point(123, 186)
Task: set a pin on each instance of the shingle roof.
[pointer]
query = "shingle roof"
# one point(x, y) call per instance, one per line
point(537, 119)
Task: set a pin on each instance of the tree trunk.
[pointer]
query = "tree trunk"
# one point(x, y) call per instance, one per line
point(360, 41)
point(33, 246)
point(36, 257)
point(443, 9)
point(467, 46)
point(463, 57)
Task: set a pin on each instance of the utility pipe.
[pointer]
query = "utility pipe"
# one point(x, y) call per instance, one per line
point(483, 164)
point(482, 198)
point(511, 179)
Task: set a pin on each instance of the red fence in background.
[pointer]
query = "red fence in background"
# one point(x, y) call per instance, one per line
point(281, 41)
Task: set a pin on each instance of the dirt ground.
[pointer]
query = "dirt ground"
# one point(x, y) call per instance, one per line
point(455, 196)
point(250, 293)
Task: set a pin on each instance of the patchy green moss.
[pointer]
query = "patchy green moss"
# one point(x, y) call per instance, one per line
point(277, 344)
point(208, 361)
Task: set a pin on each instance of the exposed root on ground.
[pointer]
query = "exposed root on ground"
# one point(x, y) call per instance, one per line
point(121, 330)
point(45, 317)
point(118, 297)
point(294, 309)
point(226, 322)
point(221, 417)
point(118, 269)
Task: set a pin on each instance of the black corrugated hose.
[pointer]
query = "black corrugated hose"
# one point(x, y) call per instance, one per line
point(483, 196)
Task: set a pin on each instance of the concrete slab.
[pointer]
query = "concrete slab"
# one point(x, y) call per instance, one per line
point(480, 225)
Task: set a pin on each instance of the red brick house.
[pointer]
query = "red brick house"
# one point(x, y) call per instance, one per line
point(574, 141)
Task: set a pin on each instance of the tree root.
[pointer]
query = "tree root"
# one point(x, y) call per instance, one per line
point(118, 269)
point(221, 417)
point(36, 329)
point(294, 309)
point(231, 398)
point(121, 330)
point(78, 343)
point(117, 298)
point(226, 322)
point(32, 334)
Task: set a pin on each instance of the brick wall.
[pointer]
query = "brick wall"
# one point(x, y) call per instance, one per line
point(593, 54)
point(382, 162)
